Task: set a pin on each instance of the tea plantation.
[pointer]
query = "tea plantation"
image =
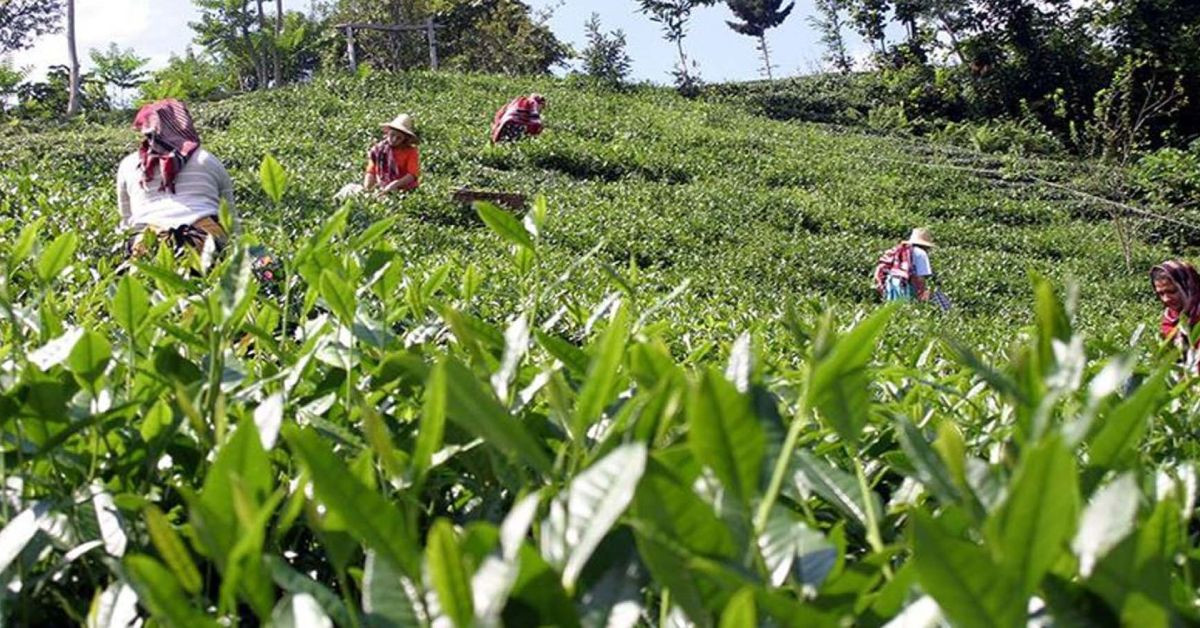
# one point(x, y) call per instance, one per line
point(664, 395)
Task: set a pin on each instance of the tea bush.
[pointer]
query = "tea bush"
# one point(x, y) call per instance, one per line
point(663, 395)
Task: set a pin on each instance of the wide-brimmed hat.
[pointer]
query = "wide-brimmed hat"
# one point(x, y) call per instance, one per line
point(404, 124)
point(921, 237)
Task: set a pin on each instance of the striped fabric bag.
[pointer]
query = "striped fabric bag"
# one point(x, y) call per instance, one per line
point(940, 299)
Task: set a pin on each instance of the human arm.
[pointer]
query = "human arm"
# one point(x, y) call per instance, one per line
point(407, 182)
point(411, 167)
point(921, 287)
point(922, 274)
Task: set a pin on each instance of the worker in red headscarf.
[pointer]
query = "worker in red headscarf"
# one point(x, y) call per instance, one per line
point(519, 118)
point(170, 186)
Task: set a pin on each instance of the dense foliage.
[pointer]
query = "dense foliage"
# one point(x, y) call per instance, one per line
point(1108, 79)
point(22, 21)
point(655, 397)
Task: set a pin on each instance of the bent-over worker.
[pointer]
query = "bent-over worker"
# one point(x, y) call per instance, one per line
point(171, 186)
point(519, 118)
point(903, 272)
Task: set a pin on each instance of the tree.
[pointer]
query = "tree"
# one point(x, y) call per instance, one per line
point(829, 23)
point(496, 36)
point(392, 51)
point(119, 69)
point(190, 77)
point(10, 78)
point(605, 59)
point(49, 98)
point(870, 20)
point(757, 17)
point(23, 21)
point(73, 55)
point(230, 30)
point(673, 15)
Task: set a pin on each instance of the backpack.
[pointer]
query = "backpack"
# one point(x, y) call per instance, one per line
point(895, 262)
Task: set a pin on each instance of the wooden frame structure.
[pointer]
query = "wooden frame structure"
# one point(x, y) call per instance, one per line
point(428, 26)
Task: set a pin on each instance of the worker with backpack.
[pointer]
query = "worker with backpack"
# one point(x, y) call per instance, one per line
point(903, 273)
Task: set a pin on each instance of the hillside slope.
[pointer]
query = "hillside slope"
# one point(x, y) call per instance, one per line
point(756, 213)
point(448, 419)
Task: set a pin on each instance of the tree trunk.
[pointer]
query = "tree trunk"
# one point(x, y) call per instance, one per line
point(264, 57)
point(762, 46)
point(73, 97)
point(278, 34)
point(687, 78)
point(263, 29)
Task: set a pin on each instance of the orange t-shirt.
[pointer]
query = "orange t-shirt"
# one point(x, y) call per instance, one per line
point(407, 162)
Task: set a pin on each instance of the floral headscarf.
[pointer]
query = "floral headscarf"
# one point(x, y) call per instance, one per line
point(1187, 281)
point(169, 139)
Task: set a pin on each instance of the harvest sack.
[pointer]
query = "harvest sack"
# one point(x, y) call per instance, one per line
point(348, 190)
point(895, 263)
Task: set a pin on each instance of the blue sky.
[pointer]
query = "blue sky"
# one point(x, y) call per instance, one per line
point(157, 28)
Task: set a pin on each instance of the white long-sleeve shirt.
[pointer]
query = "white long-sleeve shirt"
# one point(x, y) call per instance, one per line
point(199, 188)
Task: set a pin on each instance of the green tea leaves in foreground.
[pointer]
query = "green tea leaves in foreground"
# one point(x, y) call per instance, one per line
point(57, 256)
point(811, 474)
point(594, 501)
point(366, 513)
point(1030, 530)
point(970, 588)
point(602, 375)
point(504, 224)
point(131, 304)
point(476, 410)
point(159, 592)
point(449, 574)
point(171, 548)
point(725, 435)
point(839, 386)
point(1115, 443)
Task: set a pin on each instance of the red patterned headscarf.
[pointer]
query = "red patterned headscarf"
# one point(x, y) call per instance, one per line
point(169, 139)
point(1187, 281)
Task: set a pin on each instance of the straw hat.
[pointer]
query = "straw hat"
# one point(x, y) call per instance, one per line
point(404, 124)
point(921, 237)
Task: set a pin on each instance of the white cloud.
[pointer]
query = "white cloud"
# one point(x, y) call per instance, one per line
point(153, 28)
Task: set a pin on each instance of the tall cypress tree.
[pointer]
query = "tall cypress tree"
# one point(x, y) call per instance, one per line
point(757, 16)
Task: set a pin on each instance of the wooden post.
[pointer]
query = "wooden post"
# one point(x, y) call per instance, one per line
point(350, 49)
point(429, 32)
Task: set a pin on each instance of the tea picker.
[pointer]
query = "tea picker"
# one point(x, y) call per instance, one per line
point(520, 118)
point(393, 163)
point(904, 272)
point(171, 189)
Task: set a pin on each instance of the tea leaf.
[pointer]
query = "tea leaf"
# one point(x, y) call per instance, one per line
point(159, 592)
point(478, 412)
point(839, 384)
point(448, 574)
point(57, 256)
point(969, 587)
point(725, 435)
point(273, 179)
point(1030, 529)
point(595, 499)
point(171, 548)
point(366, 514)
point(504, 224)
